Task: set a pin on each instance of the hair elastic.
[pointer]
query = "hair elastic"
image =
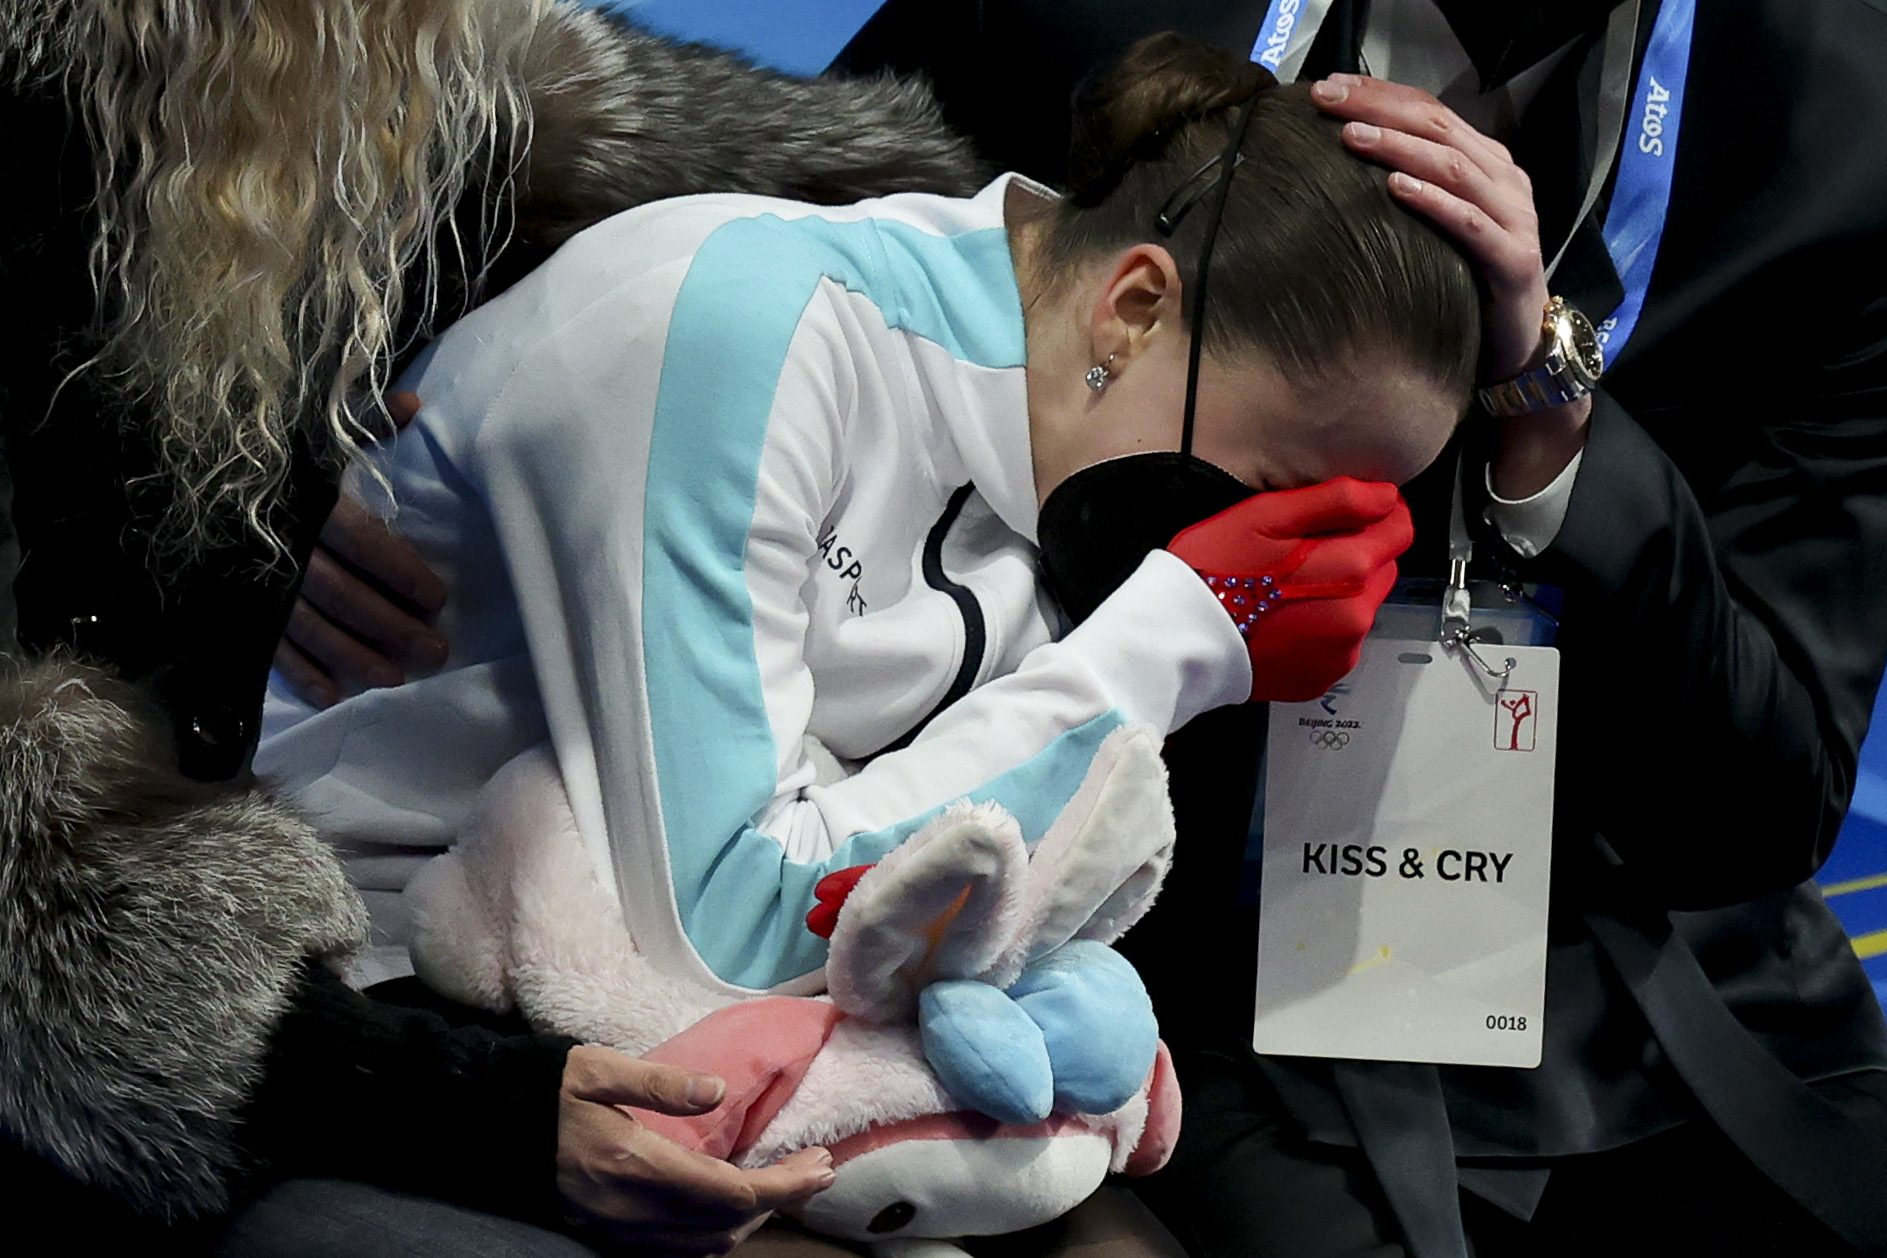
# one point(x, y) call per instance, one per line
point(1228, 163)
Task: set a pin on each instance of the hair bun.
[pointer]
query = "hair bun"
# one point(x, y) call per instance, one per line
point(1132, 110)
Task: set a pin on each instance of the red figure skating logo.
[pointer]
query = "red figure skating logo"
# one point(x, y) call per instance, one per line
point(1514, 715)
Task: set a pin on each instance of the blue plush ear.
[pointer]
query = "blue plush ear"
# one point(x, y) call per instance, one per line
point(1096, 1021)
point(987, 1053)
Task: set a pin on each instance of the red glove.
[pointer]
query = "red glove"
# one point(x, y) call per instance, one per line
point(1302, 572)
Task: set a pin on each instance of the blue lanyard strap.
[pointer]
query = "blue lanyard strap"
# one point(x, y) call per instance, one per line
point(1641, 197)
point(1285, 36)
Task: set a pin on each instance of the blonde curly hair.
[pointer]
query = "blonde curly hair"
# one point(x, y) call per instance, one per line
point(269, 172)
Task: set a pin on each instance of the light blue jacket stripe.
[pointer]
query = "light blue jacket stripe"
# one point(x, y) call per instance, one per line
point(748, 917)
point(735, 316)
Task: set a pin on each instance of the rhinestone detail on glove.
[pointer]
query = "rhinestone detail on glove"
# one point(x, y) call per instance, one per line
point(1245, 599)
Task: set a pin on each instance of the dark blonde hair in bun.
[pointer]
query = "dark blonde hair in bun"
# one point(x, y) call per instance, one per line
point(1131, 111)
point(1315, 262)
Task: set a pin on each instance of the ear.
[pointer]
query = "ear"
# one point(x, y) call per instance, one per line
point(1161, 1133)
point(458, 947)
point(1100, 866)
point(1140, 295)
point(943, 904)
point(761, 1049)
point(463, 902)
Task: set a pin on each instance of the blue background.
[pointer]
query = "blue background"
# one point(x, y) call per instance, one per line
point(797, 36)
point(1855, 878)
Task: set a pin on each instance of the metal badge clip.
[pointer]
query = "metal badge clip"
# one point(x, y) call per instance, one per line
point(1465, 639)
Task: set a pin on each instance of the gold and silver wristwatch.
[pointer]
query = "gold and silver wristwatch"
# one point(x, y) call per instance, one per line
point(1572, 364)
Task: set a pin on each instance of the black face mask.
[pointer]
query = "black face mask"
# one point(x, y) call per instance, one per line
point(1097, 525)
point(1101, 522)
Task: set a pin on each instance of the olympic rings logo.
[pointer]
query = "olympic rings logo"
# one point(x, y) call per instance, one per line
point(1329, 739)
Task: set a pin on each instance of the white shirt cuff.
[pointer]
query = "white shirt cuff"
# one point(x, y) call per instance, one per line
point(1530, 524)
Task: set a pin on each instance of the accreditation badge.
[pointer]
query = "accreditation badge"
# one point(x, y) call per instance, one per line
point(1408, 822)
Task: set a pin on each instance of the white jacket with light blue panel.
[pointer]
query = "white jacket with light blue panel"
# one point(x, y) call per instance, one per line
point(727, 485)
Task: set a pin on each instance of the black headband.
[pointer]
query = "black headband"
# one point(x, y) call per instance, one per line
point(1228, 162)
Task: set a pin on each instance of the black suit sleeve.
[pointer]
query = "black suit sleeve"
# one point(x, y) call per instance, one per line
point(1725, 652)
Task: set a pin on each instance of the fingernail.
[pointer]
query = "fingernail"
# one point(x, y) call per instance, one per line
point(1330, 92)
point(405, 403)
point(1405, 183)
point(705, 1090)
point(429, 595)
point(822, 1156)
point(1364, 132)
point(826, 1178)
point(429, 650)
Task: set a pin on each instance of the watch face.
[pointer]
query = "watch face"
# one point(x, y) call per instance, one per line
point(1581, 345)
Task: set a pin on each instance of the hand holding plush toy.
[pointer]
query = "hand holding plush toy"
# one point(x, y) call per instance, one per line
point(982, 1062)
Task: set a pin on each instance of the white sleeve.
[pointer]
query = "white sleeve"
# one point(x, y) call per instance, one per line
point(751, 832)
point(1530, 524)
point(1159, 652)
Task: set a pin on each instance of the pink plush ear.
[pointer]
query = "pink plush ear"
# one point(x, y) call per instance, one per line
point(761, 1049)
point(1162, 1130)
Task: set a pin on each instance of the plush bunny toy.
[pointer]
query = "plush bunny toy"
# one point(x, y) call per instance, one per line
point(982, 1059)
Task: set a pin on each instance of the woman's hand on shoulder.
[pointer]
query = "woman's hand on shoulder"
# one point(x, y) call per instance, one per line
point(635, 1188)
point(364, 612)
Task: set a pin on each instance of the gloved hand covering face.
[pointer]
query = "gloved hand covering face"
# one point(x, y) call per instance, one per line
point(1302, 572)
point(1098, 525)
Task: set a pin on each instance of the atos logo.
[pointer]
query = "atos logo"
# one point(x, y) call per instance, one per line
point(1651, 126)
point(1279, 36)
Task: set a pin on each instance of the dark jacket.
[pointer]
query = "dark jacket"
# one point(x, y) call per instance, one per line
point(1723, 561)
point(339, 1085)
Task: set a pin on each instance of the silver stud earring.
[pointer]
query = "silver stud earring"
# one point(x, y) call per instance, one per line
point(1098, 375)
